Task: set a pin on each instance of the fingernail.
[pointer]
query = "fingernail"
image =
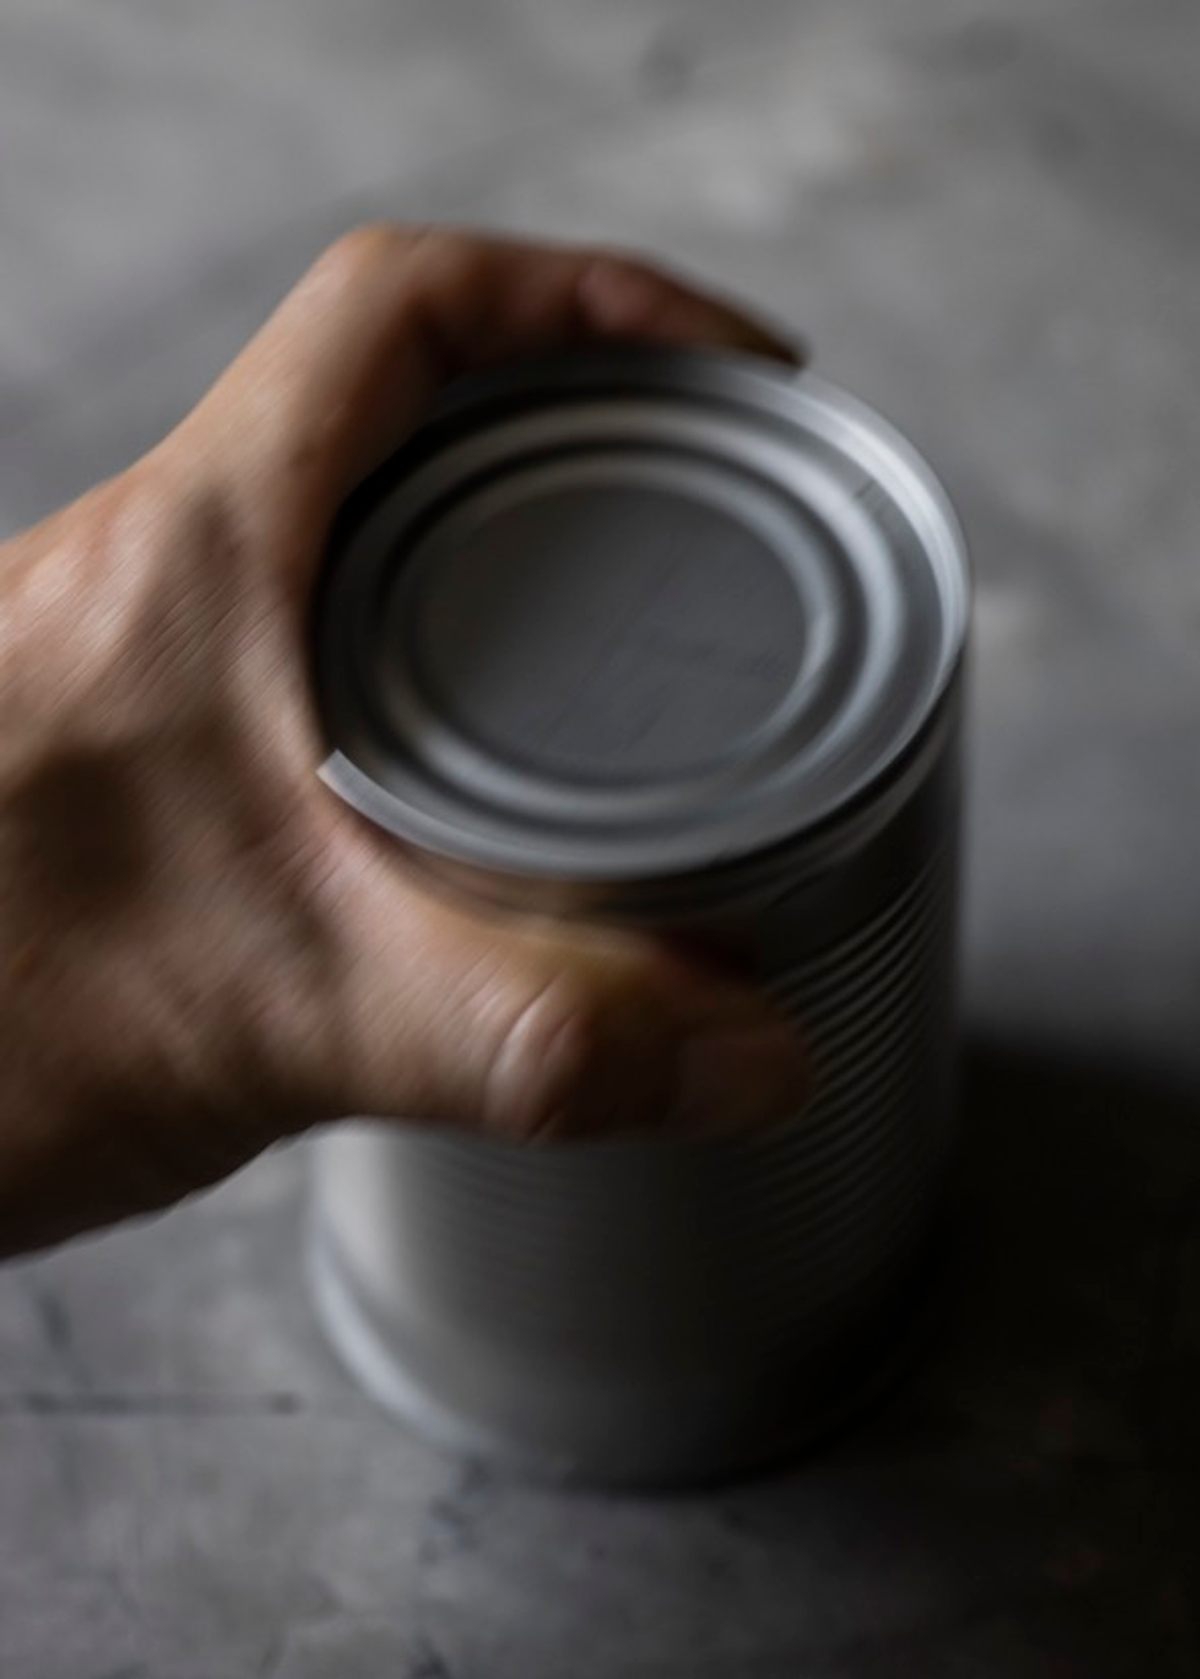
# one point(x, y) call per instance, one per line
point(741, 1080)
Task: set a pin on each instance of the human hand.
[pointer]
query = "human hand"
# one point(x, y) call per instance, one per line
point(201, 950)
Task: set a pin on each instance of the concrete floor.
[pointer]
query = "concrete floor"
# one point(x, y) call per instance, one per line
point(986, 217)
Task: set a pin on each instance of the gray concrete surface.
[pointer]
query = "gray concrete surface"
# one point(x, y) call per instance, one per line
point(986, 217)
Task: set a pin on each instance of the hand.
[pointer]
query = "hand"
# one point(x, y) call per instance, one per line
point(201, 950)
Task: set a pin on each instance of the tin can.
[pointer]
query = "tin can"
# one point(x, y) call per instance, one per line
point(674, 639)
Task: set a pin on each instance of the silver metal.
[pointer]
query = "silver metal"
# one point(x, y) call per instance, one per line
point(676, 641)
point(653, 612)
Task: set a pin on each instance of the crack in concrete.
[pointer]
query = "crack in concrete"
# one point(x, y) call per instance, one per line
point(42, 1404)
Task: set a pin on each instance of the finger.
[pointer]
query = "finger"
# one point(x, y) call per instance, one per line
point(358, 351)
point(624, 299)
point(549, 1032)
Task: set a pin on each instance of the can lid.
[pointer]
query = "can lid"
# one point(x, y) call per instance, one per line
point(627, 614)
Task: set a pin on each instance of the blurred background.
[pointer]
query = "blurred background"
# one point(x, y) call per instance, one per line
point(984, 215)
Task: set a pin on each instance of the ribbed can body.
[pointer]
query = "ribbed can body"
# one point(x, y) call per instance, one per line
point(669, 640)
point(653, 1313)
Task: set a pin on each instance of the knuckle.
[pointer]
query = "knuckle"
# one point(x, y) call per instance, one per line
point(362, 251)
point(544, 1061)
point(452, 259)
point(438, 260)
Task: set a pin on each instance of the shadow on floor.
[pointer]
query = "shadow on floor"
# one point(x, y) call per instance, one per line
point(1080, 1233)
point(1029, 1504)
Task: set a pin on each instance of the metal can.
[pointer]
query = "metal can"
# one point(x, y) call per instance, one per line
point(676, 639)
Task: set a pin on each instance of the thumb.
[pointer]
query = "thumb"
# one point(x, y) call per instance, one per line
point(535, 1030)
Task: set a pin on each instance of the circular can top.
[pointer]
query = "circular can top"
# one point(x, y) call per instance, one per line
point(627, 614)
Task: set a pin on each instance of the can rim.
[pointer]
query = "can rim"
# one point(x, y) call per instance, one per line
point(884, 455)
